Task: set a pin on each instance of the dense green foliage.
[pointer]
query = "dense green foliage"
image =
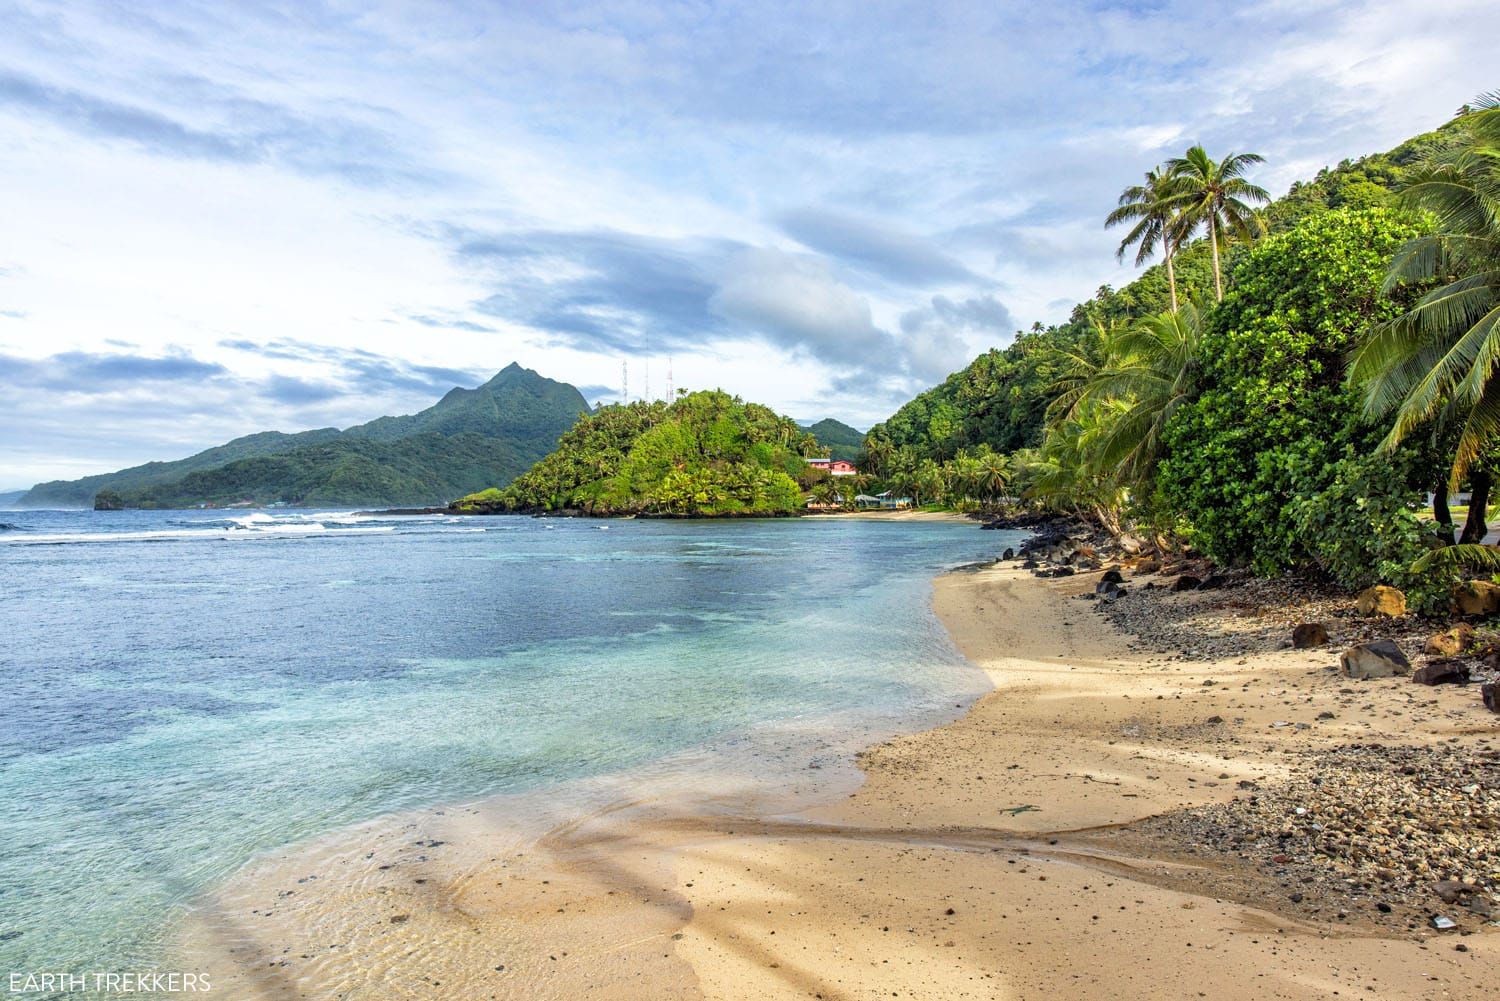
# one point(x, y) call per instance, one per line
point(1436, 360)
point(470, 439)
point(707, 454)
point(841, 440)
point(1273, 413)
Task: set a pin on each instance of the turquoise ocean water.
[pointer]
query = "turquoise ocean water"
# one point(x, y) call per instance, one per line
point(181, 691)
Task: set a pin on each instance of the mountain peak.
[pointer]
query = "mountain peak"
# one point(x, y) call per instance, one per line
point(510, 373)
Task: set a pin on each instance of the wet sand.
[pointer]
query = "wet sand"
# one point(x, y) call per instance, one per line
point(980, 859)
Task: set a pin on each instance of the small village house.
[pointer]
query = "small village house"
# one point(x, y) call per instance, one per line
point(836, 467)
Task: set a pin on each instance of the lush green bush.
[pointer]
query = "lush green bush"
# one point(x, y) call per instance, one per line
point(1357, 520)
point(1274, 416)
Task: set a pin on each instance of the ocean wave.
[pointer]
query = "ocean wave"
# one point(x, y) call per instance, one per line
point(260, 531)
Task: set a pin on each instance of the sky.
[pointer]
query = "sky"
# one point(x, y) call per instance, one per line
point(220, 218)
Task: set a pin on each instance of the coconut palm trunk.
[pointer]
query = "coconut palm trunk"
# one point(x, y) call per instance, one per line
point(1475, 527)
point(1440, 513)
point(1213, 242)
point(1216, 194)
point(1171, 272)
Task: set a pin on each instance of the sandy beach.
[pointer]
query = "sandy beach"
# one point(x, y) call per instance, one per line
point(997, 857)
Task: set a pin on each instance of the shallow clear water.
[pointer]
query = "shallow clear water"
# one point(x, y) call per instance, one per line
point(180, 691)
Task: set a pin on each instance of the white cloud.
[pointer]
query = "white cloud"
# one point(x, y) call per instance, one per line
point(196, 174)
point(795, 301)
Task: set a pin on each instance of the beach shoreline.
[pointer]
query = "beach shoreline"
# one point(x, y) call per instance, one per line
point(995, 856)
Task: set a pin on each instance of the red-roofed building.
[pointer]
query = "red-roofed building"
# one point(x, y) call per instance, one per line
point(837, 467)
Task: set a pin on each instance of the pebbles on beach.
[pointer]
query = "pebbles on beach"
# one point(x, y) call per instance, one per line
point(1417, 826)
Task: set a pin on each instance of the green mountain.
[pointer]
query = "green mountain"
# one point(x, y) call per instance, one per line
point(842, 441)
point(80, 493)
point(708, 453)
point(469, 439)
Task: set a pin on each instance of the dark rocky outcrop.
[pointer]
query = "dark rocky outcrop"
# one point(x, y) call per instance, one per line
point(1446, 671)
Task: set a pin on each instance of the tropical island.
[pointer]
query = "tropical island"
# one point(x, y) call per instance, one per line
point(705, 454)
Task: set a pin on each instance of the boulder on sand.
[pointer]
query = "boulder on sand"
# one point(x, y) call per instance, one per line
point(1306, 635)
point(1447, 671)
point(1450, 642)
point(1377, 659)
point(1147, 566)
point(1381, 600)
point(1476, 597)
point(1490, 692)
point(1187, 582)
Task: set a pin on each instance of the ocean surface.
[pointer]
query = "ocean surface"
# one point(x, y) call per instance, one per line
point(181, 691)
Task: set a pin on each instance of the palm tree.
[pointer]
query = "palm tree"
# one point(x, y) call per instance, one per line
point(1075, 367)
point(1063, 478)
point(1439, 358)
point(929, 482)
point(994, 475)
point(1214, 194)
point(877, 454)
point(1154, 209)
point(1152, 368)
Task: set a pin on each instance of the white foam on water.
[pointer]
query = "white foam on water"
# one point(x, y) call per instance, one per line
point(256, 518)
point(259, 531)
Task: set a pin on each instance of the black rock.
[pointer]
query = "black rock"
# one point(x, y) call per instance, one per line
point(1112, 577)
point(1009, 554)
point(1187, 582)
point(1448, 671)
point(1213, 582)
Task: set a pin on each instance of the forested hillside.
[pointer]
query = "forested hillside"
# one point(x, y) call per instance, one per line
point(841, 440)
point(1301, 391)
point(707, 454)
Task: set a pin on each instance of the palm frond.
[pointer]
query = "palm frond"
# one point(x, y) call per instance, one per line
point(1485, 559)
